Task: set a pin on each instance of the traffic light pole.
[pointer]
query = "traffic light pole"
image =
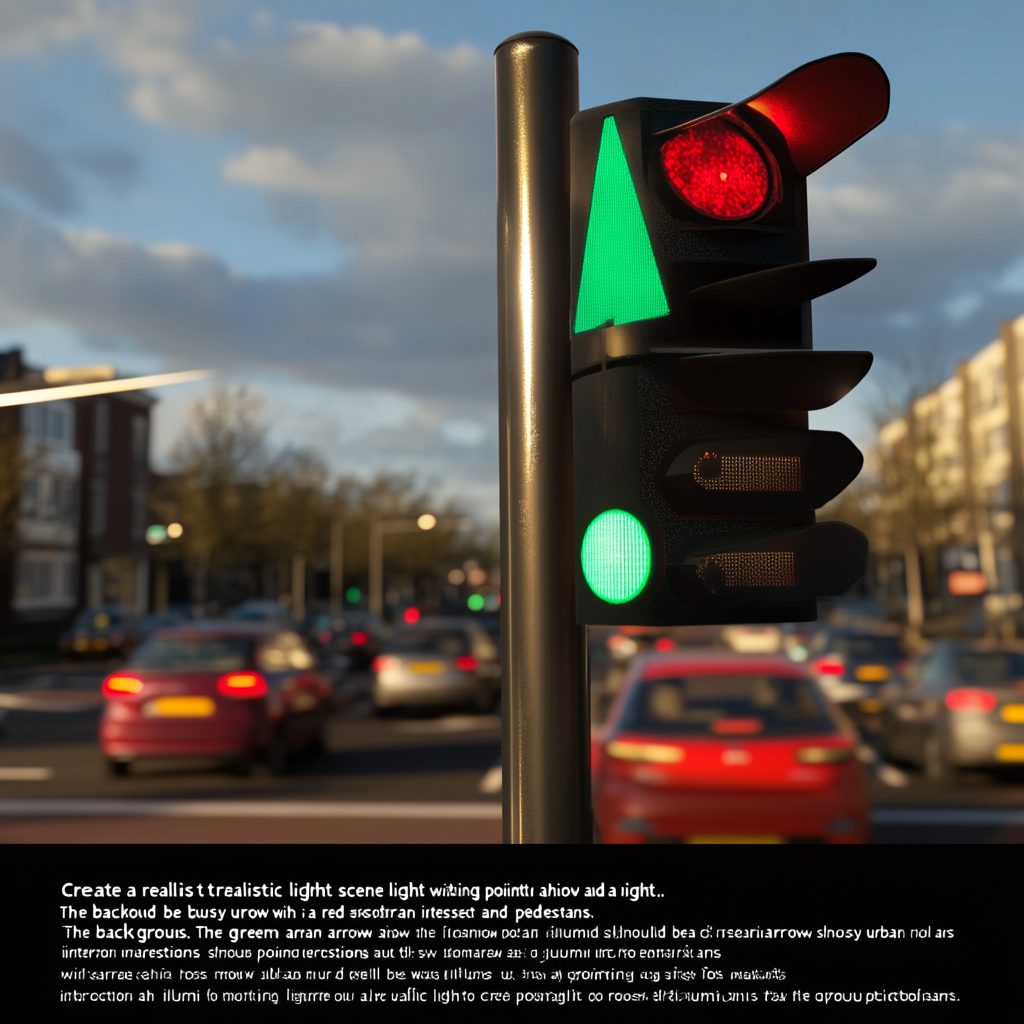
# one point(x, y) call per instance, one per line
point(545, 705)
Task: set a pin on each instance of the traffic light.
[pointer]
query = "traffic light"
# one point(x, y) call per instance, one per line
point(696, 477)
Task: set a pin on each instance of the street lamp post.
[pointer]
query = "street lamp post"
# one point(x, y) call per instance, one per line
point(379, 527)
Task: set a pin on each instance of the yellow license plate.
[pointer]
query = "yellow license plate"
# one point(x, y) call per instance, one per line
point(704, 840)
point(871, 673)
point(1012, 713)
point(426, 668)
point(1010, 752)
point(181, 707)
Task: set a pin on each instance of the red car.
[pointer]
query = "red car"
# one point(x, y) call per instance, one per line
point(231, 690)
point(710, 746)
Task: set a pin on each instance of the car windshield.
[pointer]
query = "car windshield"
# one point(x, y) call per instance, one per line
point(726, 705)
point(194, 654)
point(988, 668)
point(429, 641)
point(864, 648)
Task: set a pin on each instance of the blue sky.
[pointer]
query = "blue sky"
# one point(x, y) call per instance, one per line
point(301, 193)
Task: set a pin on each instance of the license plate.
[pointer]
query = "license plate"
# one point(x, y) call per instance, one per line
point(426, 668)
point(1012, 713)
point(1010, 752)
point(181, 707)
point(705, 840)
point(871, 673)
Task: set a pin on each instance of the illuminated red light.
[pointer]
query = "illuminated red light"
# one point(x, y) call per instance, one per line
point(663, 644)
point(737, 726)
point(121, 686)
point(466, 663)
point(969, 699)
point(715, 168)
point(384, 662)
point(411, 616)
point(359, 638)
point(828, 667)
point(244, 685)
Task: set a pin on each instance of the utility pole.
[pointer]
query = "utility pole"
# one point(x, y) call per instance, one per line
point(545, 703)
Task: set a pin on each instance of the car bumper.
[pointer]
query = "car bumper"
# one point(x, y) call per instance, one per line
point(980, 742)
point(227, 733)
point(405, 690)
point(636, 814)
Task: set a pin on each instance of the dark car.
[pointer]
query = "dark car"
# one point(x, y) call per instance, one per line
point(354, 634)
point(235, 691)
point(708, 746)
point(854, 667)
point(438, 662)
point(108, 631)
point(961, 706)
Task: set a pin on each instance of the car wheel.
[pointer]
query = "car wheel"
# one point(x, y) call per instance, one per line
point(119, 769)
point(277, 754)
point(936, 765)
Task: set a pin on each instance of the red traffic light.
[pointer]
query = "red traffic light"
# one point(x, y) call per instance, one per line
point(718, 170)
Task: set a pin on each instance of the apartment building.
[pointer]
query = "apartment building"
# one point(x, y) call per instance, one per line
point(952, 485)
point(75, 479)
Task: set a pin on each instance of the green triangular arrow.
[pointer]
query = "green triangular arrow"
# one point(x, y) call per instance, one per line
point(620, 280)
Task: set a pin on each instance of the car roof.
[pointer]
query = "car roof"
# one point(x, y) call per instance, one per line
point(225, 627)
point(444, 622)
point(713, 661)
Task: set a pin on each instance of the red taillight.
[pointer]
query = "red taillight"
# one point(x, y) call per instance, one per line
point(121, 685)
point(828, 667)
point(967, 698)
point(246, 685)
point(664, 644)
point(359, 638)
point(716, 168)
point(383, 662)
point(466, 663)
point(411, 616)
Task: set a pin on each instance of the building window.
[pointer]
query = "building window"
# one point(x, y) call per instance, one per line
point(45, 579)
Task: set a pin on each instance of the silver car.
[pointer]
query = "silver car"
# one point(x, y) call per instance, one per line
point(440, 661)
point(962, 706)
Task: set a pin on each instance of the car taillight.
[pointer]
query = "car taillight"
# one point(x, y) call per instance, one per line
point(359, 638)
point(664, 643)
point(828, 667)
point(466, 663)
point(246, 685)
point(967, 698)
point(384, 662)
point(121, 686)
point(824, 755)
point(658, 753)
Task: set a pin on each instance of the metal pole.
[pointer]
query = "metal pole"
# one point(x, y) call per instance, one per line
point(376, 598)
point(337, 566)
point(545, 714)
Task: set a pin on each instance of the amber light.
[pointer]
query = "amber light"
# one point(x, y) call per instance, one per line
point(969, 699)
point(718, 170)
point(657, 753)
point(119, 686)
point(242, 684)
point(466, 663)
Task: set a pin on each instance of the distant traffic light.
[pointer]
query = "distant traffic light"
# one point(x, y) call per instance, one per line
point(696, 478)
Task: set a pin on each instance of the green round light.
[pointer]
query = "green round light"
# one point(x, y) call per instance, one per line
point(475, 602)
point(156, 534)
point(353, 595)
point(616, 556)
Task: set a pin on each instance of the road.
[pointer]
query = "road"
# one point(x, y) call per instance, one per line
point(381, 780)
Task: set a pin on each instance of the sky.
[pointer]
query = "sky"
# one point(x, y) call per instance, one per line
point(301, 194)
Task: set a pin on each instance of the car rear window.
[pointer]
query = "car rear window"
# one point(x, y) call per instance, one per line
point(726, 705)
point(986, 668)
point(202, 654)
point(429, 641)
point(885, 648)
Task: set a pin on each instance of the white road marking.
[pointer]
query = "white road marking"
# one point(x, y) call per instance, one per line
point(129, 808)
point(26, 774)
point(452, 723)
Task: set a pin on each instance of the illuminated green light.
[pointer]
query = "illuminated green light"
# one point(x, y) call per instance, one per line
point(620, 280)
point(475, 602)
point(616, 556)
point(353, 595)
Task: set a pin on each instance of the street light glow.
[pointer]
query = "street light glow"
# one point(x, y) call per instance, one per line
point(104, 387)
point(175, 530)
point(426, 521)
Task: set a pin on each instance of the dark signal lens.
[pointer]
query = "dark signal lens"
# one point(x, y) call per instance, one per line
point(715, 168)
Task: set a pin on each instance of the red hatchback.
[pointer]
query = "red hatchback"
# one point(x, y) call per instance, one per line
point(716, 747)
point(231, 690)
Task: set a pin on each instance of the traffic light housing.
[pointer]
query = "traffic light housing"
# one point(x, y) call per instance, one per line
point(696, 477)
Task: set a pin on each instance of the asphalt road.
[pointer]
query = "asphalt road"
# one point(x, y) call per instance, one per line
point(381, 780)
